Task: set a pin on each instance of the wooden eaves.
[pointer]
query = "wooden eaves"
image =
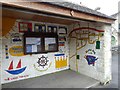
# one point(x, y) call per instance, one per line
point(56, 11)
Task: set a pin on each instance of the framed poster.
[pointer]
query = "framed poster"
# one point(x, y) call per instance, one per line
point(25, 27)
point(33, 44)
point(50, 44)
point(39, 28)
point(52, 29)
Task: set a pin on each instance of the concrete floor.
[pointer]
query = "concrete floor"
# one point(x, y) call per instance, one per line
point(63, 79)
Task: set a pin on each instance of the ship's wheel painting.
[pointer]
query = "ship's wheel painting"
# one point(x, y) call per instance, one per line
point(16, 71)
point(43, 63)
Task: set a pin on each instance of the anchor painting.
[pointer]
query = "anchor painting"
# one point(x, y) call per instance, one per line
point(15, 71)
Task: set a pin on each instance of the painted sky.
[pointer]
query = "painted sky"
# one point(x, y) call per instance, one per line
point(108, 7)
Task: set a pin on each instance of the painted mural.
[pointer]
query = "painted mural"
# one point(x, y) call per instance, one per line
point(17, 66)
point(62, 38)
point(17, 71)
point(16, 38)
point(91, 57)
point(42, 64)
point(16, 51)
point(84, 36)
point(25, 26)
point(60, 61)
point(9, 79)
point(6, 51)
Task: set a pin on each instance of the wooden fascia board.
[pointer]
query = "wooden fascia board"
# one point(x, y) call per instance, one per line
point(58, 10)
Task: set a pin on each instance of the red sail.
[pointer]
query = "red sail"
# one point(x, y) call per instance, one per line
point(11, 66)
point(19, 64)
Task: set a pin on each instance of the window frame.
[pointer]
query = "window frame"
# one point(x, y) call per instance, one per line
point(42, 36)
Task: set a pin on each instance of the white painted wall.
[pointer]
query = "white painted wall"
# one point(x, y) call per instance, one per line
point(0, 55)
point(102, 69)
point(119, 23)
point(107, 54)
point(28, 61)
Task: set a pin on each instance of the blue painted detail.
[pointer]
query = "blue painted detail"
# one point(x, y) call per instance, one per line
point(59, 54)
point(15, 72)
point(91, 59)
point(17, 40)
point(7, 57)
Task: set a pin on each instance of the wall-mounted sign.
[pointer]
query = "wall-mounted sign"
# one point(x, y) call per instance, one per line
point(16, 51)
point(25, 27)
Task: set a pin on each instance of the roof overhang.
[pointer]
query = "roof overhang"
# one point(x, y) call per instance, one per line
point(47, 13)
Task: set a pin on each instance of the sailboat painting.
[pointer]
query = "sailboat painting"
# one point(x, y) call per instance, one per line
point(17, 71)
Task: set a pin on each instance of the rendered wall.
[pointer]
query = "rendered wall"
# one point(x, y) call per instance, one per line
point(0, 56)
point(119, 23)
point(107, 54)
point(13, 55)
point(84, 48)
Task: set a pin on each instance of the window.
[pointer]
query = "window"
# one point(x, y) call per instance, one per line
point(50, 44)
point(35, 43)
